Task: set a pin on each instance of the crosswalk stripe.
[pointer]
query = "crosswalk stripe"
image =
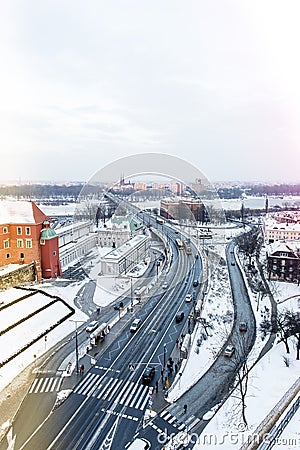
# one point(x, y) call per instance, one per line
point(139, 404)
point(167, 416)
point(86, 385)
point(33, 386)
point(37, 387)
point(47, 385)
point(121, 392)
point(136, 396)
point(165, 413)
point(194, 423)
point(94, 386)
point(114, 381)
point(85, 381)
point(131, 394)
point(57, 383)
point(182, 426)
point(173, 419)
point(115, 389)
point(125, 394)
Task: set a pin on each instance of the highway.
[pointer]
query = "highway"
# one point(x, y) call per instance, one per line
point(109, 401)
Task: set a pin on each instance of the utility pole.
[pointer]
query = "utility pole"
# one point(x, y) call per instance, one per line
point(76, 342)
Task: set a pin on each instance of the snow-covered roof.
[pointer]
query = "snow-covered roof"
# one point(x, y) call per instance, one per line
point(20, 212)
point(283, 247)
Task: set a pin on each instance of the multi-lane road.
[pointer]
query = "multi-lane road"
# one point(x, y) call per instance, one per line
point(106, 407)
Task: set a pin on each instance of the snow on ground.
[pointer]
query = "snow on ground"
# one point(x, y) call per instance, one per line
point(283, 291)
point(226, 429)
point(290, 438)
point(218, 314)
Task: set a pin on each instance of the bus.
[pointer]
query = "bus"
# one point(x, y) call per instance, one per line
point(179, 244)
point(99, 334)
point(160, 221)
point(187, 246)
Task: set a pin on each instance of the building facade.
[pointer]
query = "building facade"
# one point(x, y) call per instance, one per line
point(282, 226)
point(21, 225)
point(283, 261)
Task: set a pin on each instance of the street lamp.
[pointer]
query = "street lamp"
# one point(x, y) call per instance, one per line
point(76, 342)
point(131, 293)
point(165, 353)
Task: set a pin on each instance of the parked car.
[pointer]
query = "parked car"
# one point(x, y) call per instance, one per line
point(118, 306)
point(92, 326)
point(139, 444)
point(148, 374)
point(229, 351)
point(243, 326)
point(188, 298)
point(135, 325)
point(179, 316)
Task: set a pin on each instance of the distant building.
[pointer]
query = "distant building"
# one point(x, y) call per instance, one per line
point(182, 208)
point(118, 230)
point(26, 237)
point(121, 260)
point(283, 261)
point(282, 226)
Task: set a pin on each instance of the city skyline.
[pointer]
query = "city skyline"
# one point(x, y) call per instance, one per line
point(214, 84)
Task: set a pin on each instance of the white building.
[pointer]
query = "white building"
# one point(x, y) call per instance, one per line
point(282, 226)
point(123, 259)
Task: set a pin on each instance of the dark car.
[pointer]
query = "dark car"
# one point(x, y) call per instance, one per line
point(148, 374)
point(195, 283)
point(179, 316)
point(243, 326)
point(119, 306)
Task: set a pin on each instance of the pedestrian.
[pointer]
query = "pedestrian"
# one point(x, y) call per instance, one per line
point(177, 342)
point(185, 408)
point(176, 368)
point(82, 367)
point(156, 386)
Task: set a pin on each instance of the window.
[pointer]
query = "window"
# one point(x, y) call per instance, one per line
point(22, 255)
point(6, 243)
point(20, 243)
point(27, 231)
point(28, 243)
point(5, 230)
point(42, 241)
point(19, 230)
point(54, 253)
point(7, 255)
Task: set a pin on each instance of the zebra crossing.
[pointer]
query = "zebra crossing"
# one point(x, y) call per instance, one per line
point(130, 394)
point(188, 424)
point(45, 384)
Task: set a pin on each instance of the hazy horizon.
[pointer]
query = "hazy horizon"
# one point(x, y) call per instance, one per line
point(214, 83)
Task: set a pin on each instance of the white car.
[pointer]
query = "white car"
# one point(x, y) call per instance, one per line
point(135, 325)
point(188, 298)
point(165, 286)
point(92, 326)
point(229, 351)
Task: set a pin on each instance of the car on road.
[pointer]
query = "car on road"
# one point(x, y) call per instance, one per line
point(92, 326)
point(165, 286)
point(118, 306)
point(179, 316)
point(229, 351)
point(148, 374)
point(243, 326)
point(232, 263)
point(139, 444)
point(135, 325)
point(195, 283)
point(188, 298)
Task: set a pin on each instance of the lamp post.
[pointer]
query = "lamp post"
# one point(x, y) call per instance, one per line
point(131, 293)
point(76, 342)
point(165, 353)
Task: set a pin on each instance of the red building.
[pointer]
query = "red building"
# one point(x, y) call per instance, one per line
point(23, 238)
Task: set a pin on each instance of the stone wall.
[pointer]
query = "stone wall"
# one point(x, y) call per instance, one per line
point(22, 275)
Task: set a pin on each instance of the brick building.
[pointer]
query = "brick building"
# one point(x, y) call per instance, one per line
point(23, 238)
point(283, 261)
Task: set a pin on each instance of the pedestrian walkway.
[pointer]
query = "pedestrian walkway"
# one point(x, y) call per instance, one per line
point(45, 384)
point(181, 423)
point(126, 393)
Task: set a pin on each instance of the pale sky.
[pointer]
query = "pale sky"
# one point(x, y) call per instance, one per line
point(215, 82)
